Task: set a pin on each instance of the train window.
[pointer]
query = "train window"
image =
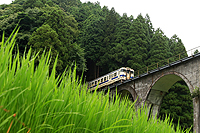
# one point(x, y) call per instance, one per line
point(110, 76)
point(115, 74)
point(92, 83)
point(98, 81)
point(95, 82)
point(102, 80)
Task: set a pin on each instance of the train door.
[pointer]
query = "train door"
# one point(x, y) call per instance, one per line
point(132, 73)
point(128, 74)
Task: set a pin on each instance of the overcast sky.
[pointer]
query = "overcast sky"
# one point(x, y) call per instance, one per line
point(179, 17)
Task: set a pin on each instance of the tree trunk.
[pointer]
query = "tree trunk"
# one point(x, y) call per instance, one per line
point(98, 72)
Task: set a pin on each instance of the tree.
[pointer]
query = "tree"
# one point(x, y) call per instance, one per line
point(119, 51)
point(67, 29)
point(31, 14)
point(20, 2)
point(67, 4)
point(149, 32)
point(158, 51)
point(177, 47)
point(109, 26)
point(45, 38)
point(196, 51)
point(65, 25)
point(35, 3)
point(91, 23)
point(28, 20)
point(137, 44)
point(91, 38)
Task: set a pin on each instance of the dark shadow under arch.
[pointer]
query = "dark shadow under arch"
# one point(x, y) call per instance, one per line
point(126, 93)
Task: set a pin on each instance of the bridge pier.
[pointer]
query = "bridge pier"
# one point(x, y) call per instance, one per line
point(154, 101)
point(196, 106)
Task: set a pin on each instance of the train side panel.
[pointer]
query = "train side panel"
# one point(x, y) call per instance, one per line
point(118, 75)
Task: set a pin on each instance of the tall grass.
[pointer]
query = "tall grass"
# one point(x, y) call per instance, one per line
point(43, 103)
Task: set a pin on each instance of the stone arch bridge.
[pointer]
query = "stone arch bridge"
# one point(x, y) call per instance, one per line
point(151, 87)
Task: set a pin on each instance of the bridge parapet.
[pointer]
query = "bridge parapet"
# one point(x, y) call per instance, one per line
point(169, 61)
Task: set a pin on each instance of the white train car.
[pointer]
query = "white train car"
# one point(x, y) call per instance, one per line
point(118, 75)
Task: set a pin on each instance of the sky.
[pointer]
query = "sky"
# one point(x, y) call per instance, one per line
point(180, 17)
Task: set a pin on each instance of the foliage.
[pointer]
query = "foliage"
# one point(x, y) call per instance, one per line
point(119, 53)
point(91, 40)
point(45, 38)
point(28, 20)
point(67, 29)
point(42, 103)
point(195, 93)
point(196, 51)
point(137, 47)
point(109, 27)
point(30, 16)
point(158, 52)
point(177, 47)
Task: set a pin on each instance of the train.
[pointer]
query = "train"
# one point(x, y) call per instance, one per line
point(118, 75)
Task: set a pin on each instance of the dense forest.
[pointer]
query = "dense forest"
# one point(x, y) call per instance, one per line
point(97, 40)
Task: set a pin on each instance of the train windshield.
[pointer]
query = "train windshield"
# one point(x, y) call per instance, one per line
point(132, 72)
point(123, 70)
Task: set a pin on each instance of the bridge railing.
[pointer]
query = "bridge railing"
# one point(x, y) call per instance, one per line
point(167, 61)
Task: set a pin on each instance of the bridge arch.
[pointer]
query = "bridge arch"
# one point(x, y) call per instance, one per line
point(123, 92)
point(160, 86)
point(127, 90)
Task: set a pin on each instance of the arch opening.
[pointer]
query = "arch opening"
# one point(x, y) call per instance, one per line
point(165, 85)
point(179, 104)
point(125, 93)
point(165, 82)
